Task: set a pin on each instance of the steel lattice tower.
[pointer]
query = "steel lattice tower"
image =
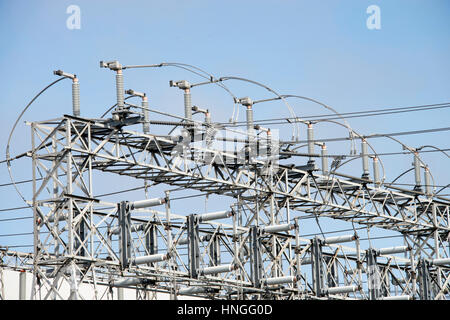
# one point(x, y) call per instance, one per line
point(252, 249)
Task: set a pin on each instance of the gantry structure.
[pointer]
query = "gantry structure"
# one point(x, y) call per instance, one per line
point(253, 248)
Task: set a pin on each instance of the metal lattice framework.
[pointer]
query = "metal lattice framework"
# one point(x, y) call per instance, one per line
point(253, 254)
point(250, 250)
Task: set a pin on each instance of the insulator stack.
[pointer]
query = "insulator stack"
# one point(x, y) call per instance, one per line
point(76, 97)
point(146, 124)
point(365, 159)
point(310, 137)
point(119, 89)
point(376, 171)
point(323, 153)
point(417, 171)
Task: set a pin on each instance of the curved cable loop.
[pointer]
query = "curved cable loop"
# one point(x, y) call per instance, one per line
point(356, 156)
point(434, 147)
point(291, 110)
point(329, 108)
point(112, 107)
point(8, 160)
point(412, 150)
point(187, 67)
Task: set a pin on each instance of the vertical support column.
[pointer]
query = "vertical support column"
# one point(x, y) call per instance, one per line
point(424, 280)
point(73, 281)
point(373, 275)
point(120, 293)
point(35, 282)
point(437, 244)
point(297, 248)
point(193, 247)
point(168, 229)
point(2, 281)
point(151, 240)
point(55, 192)
point(69, 188)
point(215, 251)
point(386, 282)
point(22, 285)
point(125, 234)
point(332, 275)
point(80, 231)
point(317, 266)
point(255, 256)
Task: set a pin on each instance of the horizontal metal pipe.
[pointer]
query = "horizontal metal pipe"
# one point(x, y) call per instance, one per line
point(127, 282)
point(185, 240)
point(280, 280)
point(306, 261)
point(340, 239)
point(405, 297)
point(343, 289)
point(351, 271)
point(278, 228)
point(134, 228)
point(393, 250)
point(441, 262)
point(396, 282)
point(60, 217)
point(214, 215)
point(147, 203)
point(151, 258)
point(191, 290)
point(182, 241)
point(218, 269)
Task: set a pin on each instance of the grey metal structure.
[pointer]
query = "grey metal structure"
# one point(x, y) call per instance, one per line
point(251, 250)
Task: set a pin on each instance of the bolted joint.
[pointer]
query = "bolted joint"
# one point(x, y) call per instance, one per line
point(197, 109)
point(64, 74)
point(113, 65)
point(135, 93)
point(182, 84)
point(246, 101)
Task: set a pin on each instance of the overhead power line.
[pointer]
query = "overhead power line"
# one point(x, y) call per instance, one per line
point(354, 114)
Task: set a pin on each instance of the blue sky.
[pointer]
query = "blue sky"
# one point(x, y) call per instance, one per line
point(319, 49)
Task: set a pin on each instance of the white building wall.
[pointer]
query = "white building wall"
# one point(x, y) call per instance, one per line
point(11, 287)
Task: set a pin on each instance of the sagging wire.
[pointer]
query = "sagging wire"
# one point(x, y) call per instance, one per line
point(358, 114)
point(291, 111)
point(416, 154)
point(8, 159)
point(200, 72)
point(350, 130)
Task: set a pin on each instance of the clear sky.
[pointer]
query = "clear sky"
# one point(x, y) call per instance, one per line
point(318, 49)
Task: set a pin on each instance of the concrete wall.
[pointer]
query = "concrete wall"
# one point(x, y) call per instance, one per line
point(11, 286)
